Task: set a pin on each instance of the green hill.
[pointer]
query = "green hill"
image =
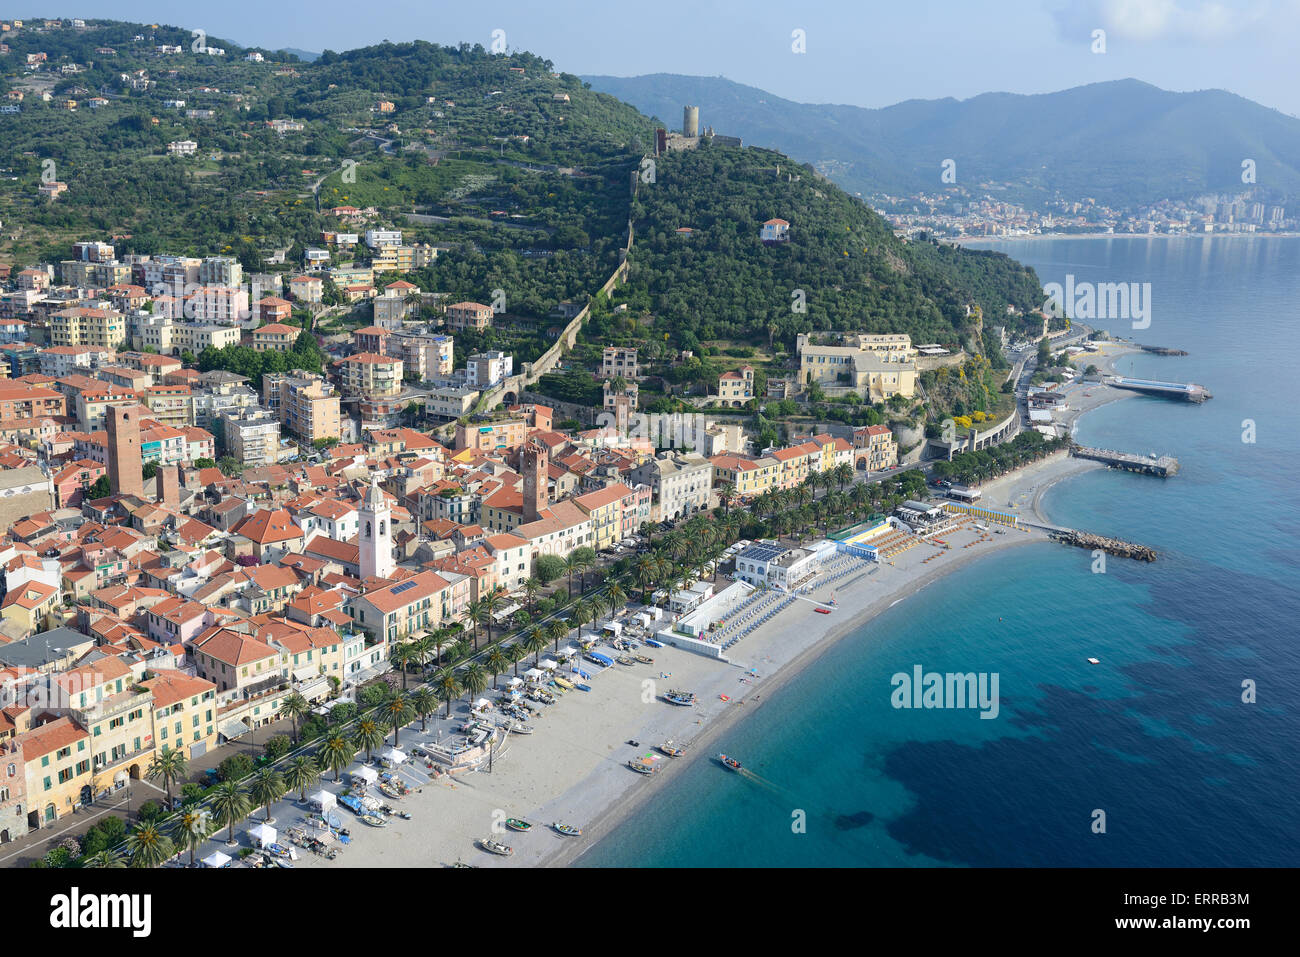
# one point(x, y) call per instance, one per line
point(1123, 142)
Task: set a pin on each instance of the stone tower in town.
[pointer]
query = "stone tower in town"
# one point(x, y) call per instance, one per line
point(125, 468)
point(536, 467)
point(375, 542)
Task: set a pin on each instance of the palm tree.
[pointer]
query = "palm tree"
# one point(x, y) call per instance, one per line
point(556, 631)
point(532, 588)
point(370, 735)
point(580, 614)
point(570, 566)
point(491, 602)
point(169, 766)
point(535, 642)
point(616, 596)
point(300, 774)
point(643, 570)
point(230, 804)
point(447, 684)
point(110, 857)
point(336, 753)
point(193, 827)
point(401, 656)
point(267, 787)
point(399, 712)
point(843, 473)
point(726, 493)
point(516, 653)
point(496, 662)
point(474, 613)
point(458, 650)
point(294, 706)
point(422, 648)
point(474, 679)
point(424, 702)
point(148, 845)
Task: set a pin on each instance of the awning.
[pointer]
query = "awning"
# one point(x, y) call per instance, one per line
point(366, 773)
point(548, 665)
point(514, 682)
point(532, 674)
point(318, 687)
point(306, 674)
point(233, 729)
point(263, 832)
point(568, 651)
point(395, 755)
point(325, 799)
point(216, 859)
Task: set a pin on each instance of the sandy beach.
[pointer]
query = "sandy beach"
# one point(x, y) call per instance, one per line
point(573, 768)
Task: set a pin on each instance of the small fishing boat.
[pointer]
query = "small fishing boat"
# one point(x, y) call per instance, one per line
point(281, 862)
point(642, 766)
point(463, 864)
point(568, 830)
point(822, 611)
point(624, 660)
point(520, 728)
point(404, 815)
point(390, 790)
point(672, 750)
point(644, 660)
point(731, 764)
point(374, 820)
point(680, 698)
point(518, 824)
point(654, 644)
point(352, 803)
point(583, 687)
point(496, 847)
point(564, 684)
point(1094, 661)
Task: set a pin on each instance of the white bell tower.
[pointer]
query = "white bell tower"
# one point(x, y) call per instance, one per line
point(376, 537)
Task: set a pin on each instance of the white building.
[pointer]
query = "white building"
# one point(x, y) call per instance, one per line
point(767, 563)
point(378, 238)
point(487, 369)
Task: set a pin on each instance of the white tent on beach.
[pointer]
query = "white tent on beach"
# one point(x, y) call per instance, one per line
point(568, 651)
point(395, 755)
point(366, 773)
point(216, 859)
point(514, 682)
point(549, 665)
point(534, 674)
point(482, 704)
point(325, 799)
point(263, 833)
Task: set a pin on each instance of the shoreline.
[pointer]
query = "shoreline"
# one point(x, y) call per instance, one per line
point(964, 240)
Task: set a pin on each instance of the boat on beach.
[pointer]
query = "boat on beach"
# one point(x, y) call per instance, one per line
point(672, 750)
point(518, 824)
point(644, 660)
point(374, 820)
point(568, 830)
point(642, 766)
point(654, 644)
point(680, 698)
point(563, 683)
point(519, 728)
point(496, 847)
point(625, 660)
point(731, 764)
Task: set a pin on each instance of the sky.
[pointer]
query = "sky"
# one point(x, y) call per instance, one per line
point(862, 52)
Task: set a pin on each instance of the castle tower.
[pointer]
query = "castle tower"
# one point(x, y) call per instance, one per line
point(125, 469)
point(690, 121)
point(536, 463)
point(375, 551)
point(168, 485)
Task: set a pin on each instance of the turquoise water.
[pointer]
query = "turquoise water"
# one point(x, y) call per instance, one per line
point(1157, 735)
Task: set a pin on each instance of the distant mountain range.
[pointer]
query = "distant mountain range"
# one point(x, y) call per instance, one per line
point(1124, 143)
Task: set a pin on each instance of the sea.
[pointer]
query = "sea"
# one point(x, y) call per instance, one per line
point(1180, 749)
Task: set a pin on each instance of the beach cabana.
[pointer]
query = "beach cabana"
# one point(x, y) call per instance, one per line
point(324, 799)
point(216, 859)
point(568, 651)
point(548, 665)
point(514, 682)
point(262, 833)
point(482, 704)
point(534, 674)
point(395, 755)
point(366, 773)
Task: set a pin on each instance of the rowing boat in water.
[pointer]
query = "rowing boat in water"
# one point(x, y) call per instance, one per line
point(731, 764)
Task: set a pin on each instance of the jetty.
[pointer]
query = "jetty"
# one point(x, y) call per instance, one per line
point(1111, 546)
point(1186, 391)
point(1162, 465)
point(1162, 351)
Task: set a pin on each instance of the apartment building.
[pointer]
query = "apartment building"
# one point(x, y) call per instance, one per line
point(252, 436)
point(80, 326)
point(371, 374)
point(275, 337)
point(423, 602)
point(469, 315)
point(680, 483)
point(486, 369)
point(618, 361)
point(306, 405)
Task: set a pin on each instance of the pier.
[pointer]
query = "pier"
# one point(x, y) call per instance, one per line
point(1163, 465)
point(1187, 391)
point(1111, 546)
point(1162, 351)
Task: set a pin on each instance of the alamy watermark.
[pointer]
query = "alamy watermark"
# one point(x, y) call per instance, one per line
point(675, 430)
point(1106, 300)
point(931, 689)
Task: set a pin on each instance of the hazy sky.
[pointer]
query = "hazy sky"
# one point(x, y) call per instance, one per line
point(863, 52)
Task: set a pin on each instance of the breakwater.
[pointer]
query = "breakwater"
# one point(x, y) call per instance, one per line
point(1111, 546)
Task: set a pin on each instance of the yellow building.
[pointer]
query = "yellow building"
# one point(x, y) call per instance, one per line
point(876, 367)
point(87, 327)
point(604, 507)
point(749, 477)
point(117, 713)
point(30, 606)
point(184, 712)
point(56, 764)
